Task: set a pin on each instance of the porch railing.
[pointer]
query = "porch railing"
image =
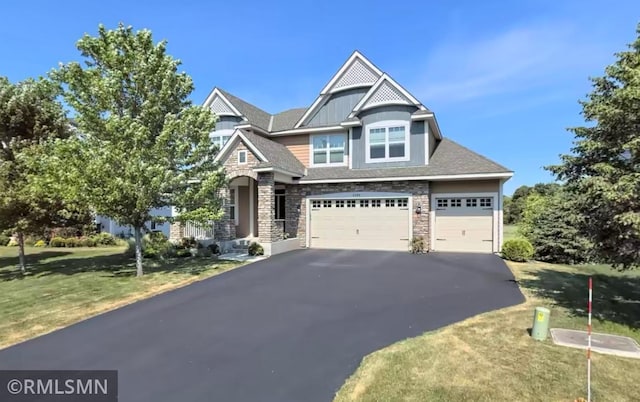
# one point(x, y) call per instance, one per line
point(198, 231)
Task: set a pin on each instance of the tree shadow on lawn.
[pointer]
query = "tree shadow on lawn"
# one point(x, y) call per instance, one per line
point(31, 258)
point(616, 297)
point(114, 265)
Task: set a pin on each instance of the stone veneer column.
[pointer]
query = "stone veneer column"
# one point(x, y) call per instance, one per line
point(421, 221)
point(176, 231)
point(267, 231)
point(225, 228)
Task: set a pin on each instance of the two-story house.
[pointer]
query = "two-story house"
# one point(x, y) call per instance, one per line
point(364, 167)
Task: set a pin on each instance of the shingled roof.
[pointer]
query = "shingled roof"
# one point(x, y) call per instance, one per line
point(278, 156)
point(254, 114)
point(287, 119)
point(449, 158)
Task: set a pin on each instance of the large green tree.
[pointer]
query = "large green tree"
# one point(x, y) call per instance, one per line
point(29, 116)
point(552, 224)
point(141, 143)
point(604, 166)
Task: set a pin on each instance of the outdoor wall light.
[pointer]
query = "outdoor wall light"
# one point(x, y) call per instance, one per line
point(418, 209)
point(298, 209)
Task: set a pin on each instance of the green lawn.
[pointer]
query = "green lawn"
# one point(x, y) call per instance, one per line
point(491, 357)
point(64, 286)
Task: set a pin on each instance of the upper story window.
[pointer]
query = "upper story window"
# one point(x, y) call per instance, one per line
point(387, 141)
point(220, 137)
point(328, 149)
point(242, 157)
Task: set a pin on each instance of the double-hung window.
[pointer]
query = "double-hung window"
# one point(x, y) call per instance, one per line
point(387, 141)
point(328, 149)
point(232, 204)
point(219, 138)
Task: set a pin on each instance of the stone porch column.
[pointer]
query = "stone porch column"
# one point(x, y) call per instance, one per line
point(225, 228)
point(267, 231)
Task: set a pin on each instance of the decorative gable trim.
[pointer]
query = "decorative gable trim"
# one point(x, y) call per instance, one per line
point(233, 141)
point(356, 72)
point(359, 72)
point(220, 105)
point(386, 91)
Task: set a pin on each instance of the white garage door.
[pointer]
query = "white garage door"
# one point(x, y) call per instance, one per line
point(464, 224)
point(364, 224)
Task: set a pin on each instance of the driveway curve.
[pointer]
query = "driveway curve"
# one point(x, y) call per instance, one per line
point(289, 328)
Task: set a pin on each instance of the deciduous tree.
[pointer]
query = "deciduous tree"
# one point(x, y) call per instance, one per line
point(141, 142)
point(29, 116)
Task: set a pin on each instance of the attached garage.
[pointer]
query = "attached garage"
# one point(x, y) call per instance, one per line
point(360, 222)
point(464, 222)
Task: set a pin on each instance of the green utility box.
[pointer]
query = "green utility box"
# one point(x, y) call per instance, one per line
point(540, 327)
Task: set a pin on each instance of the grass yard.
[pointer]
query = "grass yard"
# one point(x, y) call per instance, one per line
point(64, 286)
point(492, 358)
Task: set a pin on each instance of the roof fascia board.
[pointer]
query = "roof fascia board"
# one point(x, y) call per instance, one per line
point(305, 130)
point(431, 178)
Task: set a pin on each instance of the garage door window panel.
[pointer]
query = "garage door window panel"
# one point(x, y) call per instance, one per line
point(486, 202)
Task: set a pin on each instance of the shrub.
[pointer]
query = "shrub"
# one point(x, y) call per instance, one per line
point(155, 244)
point(183, 252)
point(40, 243)
point(86, 242)
point(255, 249)
point(517, 250)
point(12, 243)
point(57, 242)
point(4, 240)
point(215, 248)
point(104, 239)
point(417, 244)
point(189, 242)
point(204, 252)
point(71, 242)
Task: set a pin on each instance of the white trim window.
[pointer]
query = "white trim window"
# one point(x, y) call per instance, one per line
point(242, 157)
point(233, 199)
point(328, 149)
point(219, 138)
point(387, 141)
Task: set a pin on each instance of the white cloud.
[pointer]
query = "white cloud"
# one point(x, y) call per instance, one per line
point(513, 61)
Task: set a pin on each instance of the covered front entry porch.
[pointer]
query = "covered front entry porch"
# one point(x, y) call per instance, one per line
point(257, 209)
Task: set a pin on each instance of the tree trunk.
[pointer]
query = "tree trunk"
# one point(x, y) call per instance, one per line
point(138, 237)
point(23, 268)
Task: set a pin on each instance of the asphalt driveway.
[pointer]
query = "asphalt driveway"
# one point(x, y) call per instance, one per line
point(289, 328)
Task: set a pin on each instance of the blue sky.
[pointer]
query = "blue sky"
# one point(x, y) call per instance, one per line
point(502, 77)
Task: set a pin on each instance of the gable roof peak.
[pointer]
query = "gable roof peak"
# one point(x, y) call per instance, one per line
point(220, 104)
point(356, 71)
